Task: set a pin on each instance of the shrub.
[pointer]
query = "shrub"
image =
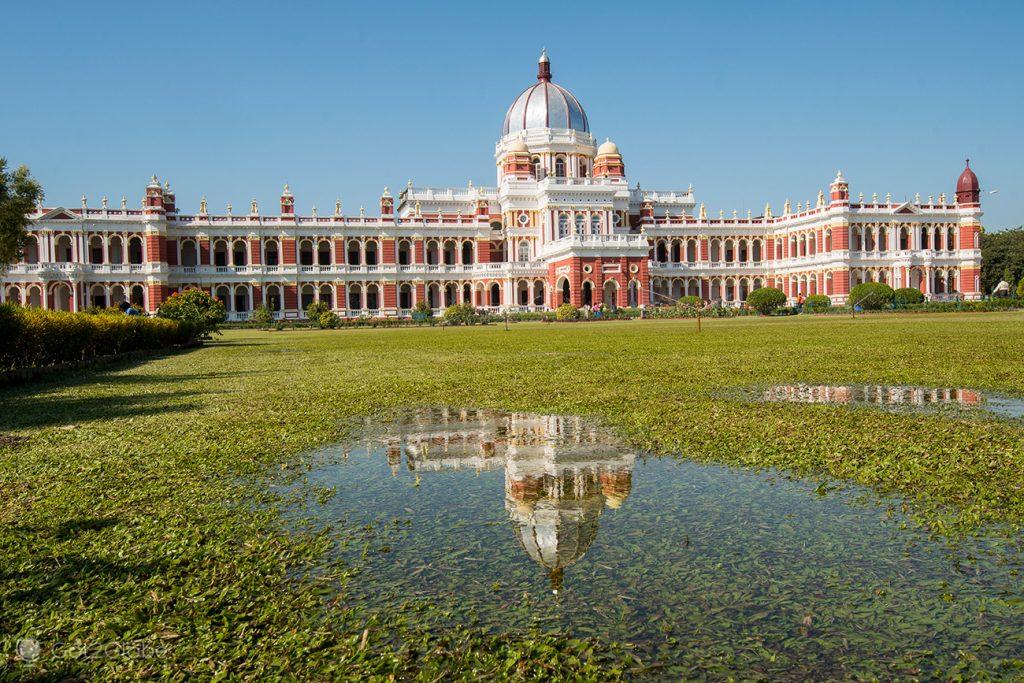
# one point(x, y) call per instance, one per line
point(262, 316)
point(689, 302)
point(316, 309)
point(197, 308)
point(460, 314)
point(907, 295)
point(871, 296)
point(1020, 289)
point(817, 302)
point(766, 299)
point(423, 308)
point(38, 338)
point(328, 320)
point(567, 312)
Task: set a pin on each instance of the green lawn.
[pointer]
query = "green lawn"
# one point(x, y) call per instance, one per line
point(138, 510)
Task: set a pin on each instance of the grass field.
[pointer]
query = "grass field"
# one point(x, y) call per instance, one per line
point(137, 511)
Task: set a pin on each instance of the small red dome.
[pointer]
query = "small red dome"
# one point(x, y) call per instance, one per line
point(968, 182)
point(967, 188)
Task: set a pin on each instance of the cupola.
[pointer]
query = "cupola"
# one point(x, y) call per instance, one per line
point(968, 193)
point(608, 162)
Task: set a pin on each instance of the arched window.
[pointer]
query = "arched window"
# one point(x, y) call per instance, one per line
point(950, 240)
point(115, 250)
point(828, 240)
point(405, 296)
point(563, 225)
point(660, 252)
point(495, 298)
point(691, 251)
point(31, 254)
point(595, 224)
point(433, 254)
point(538, 293)
point(355, 297)
point(327, 295)
point(730, 251)
point(271, 253)
point(136, 254)
point(581, 223)
point(352, 253)
point(467, 253)
point(306, 253)
point(757, 251)
point(238, 254)
point(95, 249)
point(189, 253)
point(323, 253)
point(307, 296)
point(404, 255)
point(524, 251)
point(274, 298)
point(538, 170)
point(371, 253)
point(716, 250)
point(560, 167)
point(450, 252)
point(241, 299)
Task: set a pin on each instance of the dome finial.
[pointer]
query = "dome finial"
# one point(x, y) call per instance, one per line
point(543, 66)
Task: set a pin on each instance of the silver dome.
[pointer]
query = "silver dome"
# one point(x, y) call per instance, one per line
point(545, 105)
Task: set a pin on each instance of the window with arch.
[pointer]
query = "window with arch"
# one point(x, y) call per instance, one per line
point(239, 253)
point(306, 296)
point(560, 167)
point(405, 296)
point(581, 223)
point(352, 253)
point(323, 253)
point(136, 254)
point(95, 249)
point(306, 253)
point(355, 297)
point(524, 251)
point(371, 253)
point(538, 170)
point(595, 224)
point(404, 255)
point(828, 240)
point(563, 225)
point(189, 253)
point(271, 253)
point(467, 252)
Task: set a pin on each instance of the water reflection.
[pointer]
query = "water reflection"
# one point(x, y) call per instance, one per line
point(707, 571)
point(560, 472)
point(894, 396)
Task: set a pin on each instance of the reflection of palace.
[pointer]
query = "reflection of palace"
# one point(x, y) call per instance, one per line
point(876, 394)
point(560, 473)
point(561, 224)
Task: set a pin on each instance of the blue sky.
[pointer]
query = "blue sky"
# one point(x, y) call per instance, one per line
point(750, 102)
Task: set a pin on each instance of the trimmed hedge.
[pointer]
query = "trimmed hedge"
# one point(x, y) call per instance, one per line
point(35, 338)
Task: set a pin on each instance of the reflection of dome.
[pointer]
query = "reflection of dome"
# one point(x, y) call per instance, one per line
point(545, 105)
point(560, 472)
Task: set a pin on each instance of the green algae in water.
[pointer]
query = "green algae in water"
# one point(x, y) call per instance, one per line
point(517, 523)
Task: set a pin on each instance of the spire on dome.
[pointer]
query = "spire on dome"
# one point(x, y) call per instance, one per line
point(544, 66)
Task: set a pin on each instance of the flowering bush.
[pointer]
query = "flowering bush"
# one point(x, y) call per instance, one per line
point(567, 312)
point(197, 308)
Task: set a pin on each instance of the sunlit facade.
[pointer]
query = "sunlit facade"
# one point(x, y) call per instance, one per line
point(561, 224)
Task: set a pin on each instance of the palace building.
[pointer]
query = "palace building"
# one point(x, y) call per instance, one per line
point(561, 224)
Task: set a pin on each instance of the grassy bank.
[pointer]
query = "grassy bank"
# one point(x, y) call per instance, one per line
point(136, 516)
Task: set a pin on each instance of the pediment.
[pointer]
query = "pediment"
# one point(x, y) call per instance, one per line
point(58, 214)
point(907, 207)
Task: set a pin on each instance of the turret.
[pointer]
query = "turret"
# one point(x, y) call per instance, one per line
point(839, 190)
point(517, 162)
point(154, 201)
point(168, 199)
point(387, 203)
point(608, 163)
point(287, 203)
point(968, 193)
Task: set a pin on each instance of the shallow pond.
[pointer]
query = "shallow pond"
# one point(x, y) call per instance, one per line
point(512, 522)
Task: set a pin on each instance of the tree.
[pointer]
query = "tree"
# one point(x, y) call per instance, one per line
point(1002, 257)
point(765, 300)
point(197, 307)
point(19, 193)
point(315, 309)
point(262, 316)
point(871, 296)
point(1020, 289)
